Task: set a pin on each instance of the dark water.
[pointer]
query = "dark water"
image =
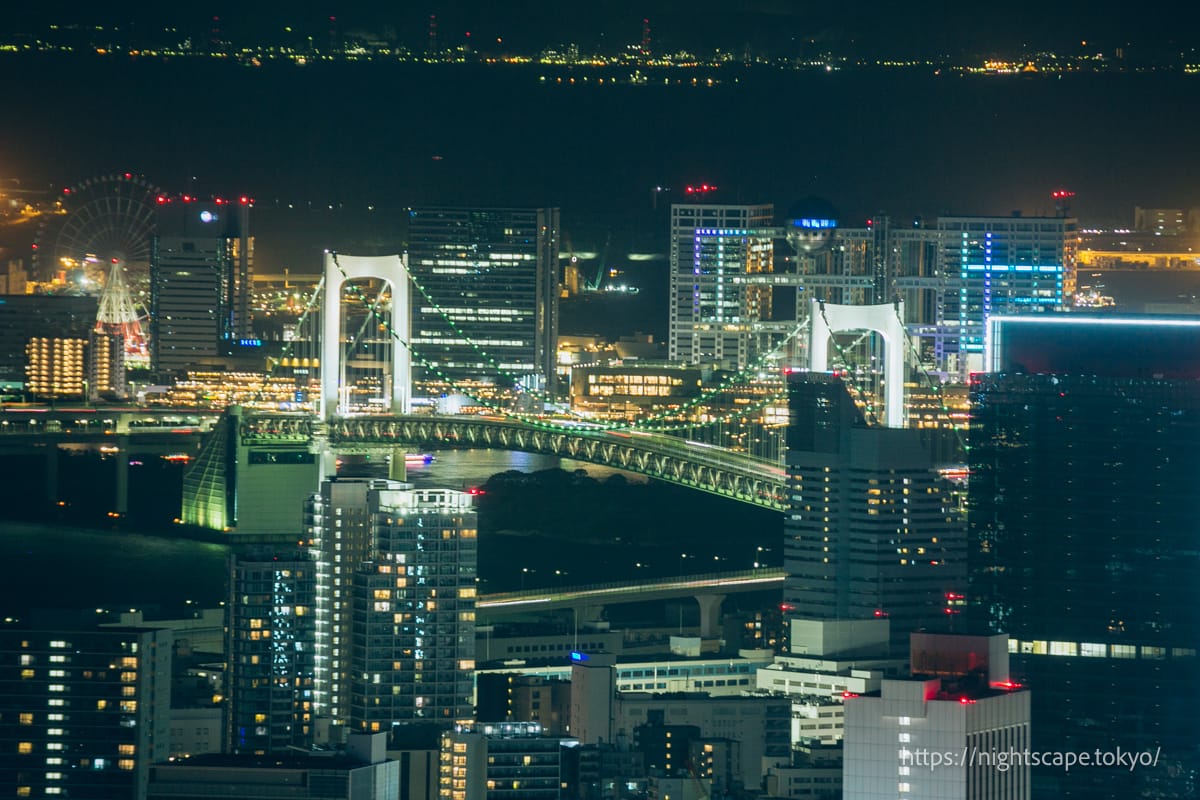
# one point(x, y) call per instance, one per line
point(564, 523)
point(354, 136)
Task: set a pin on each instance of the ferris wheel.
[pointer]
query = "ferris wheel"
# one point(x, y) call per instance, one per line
point(101, 221)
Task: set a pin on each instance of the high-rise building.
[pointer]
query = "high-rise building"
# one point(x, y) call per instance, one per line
point(1002, 265)
point(200, 264)
point(1085, 439)
point(412, 653)
point(905, 741)
point(271, 643)
point(872, 530)
point(486, 305)
point(713, 315)
point(106, 366)
point(83, 713)
point(395, 603)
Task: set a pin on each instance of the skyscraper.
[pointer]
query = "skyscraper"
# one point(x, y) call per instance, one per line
point(871, 530)
point(412, 654)
point(1002, 265)
point(488, 311)
point(200, 265)
point(712, 315)
point(1085, 444)
point(270, 630)
point(395, 603)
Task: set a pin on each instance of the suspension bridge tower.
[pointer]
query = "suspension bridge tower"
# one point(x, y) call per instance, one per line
point(393, 272)
point(887, 320)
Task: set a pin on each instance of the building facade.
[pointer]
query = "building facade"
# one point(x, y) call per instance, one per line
point(200, 265)
point(1085, 435)
point(712, 315)
point(395, 603)
point(271, 651)
point(83, 713)
point(1002, 265)
point(412, 650)
point(56, 367)
point(892, 737)
point(26, 317)
point(502, 761)
point(486, 302)
point(872, 531)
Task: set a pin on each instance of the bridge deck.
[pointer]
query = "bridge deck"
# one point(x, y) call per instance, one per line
point(634, 591)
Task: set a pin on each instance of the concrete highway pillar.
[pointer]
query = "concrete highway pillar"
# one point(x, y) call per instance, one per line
point(710, 615)
point(397, 469)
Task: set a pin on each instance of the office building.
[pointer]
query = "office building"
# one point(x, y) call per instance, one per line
point(487, 304)
point(871, 531)
point(714, 318)
point(26, 317)
point(959, 700)
point(83, 713)
point(1085, 439)
point(395, 603)
point(1002, 265)
point(271, 643)
point(200, 264)
point(361, 771)
point(502, 761)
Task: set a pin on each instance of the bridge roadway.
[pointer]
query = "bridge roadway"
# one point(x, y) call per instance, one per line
point(588, 602)
point(691, 464)
point(600, 594)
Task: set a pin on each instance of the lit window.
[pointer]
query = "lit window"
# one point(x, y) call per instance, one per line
point(25, 747)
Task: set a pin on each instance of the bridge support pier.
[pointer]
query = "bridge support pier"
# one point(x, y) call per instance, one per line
point(397, 469)
point(121, 487)
point(710, 614)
